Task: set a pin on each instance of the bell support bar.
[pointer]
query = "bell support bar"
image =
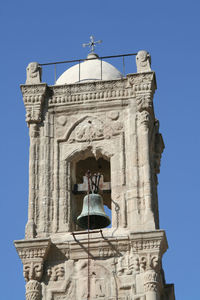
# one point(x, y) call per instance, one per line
point(86, 232)
point(83, 187)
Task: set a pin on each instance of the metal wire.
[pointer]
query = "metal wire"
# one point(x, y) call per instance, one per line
point(55, 72)
point(123, 66)
point(88, 175)
point(84, 59)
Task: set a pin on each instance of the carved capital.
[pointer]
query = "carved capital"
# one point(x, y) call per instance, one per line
point(144, 101)
point(33, 97)
point(151, 281)
point(33, 270)
point(33, 290)
point(144, 82)
point(144, 119)
point(149, 262)
point(33, 254)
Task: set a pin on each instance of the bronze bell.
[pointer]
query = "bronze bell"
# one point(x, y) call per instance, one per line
point(97, 216)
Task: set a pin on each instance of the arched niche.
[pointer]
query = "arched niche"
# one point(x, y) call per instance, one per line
point(74, 152)
point(79, 165)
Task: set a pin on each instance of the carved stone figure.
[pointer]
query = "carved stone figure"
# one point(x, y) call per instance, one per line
point(33, 73)
point(143, 61)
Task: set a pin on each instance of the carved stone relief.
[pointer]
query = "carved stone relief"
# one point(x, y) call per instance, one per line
point(55, 273)
point(143, 61)
point(33, 73)
point(92, 129)
point(33, 290)
point(33, 270)
point(33, 97)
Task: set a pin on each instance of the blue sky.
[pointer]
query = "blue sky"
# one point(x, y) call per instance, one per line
point(46, 31)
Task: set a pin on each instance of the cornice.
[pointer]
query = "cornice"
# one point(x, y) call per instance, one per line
point(33, 97)
point(102, 91)
point(32, 249)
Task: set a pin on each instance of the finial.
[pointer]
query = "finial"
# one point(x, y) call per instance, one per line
point(92, 44)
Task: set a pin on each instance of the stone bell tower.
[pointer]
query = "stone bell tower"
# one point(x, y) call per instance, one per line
point(93, 118)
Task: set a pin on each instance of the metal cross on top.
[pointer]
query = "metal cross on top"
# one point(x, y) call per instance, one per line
point(92, 43)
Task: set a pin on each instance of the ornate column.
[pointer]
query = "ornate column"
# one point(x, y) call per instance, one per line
point(33, 97)
point(33, 254)
point(149, 248)
point(145, 87)
point(145, 124)
point(152, 285)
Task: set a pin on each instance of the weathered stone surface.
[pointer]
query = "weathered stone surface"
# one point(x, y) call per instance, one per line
point(33, 73)
point(108, 127)
point(143, 61)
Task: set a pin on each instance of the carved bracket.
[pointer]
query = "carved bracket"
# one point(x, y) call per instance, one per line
point(33, 254)
point(33, 97)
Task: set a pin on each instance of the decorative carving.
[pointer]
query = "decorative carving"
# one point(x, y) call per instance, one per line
point(127, 264)
point(38, 249)
point(158, 148)
point(29, 253)
point(56, 273)
point(151, 281)
point(143, 263)
point(155, 263)
point(33, 290)
point(144, 102)
point(143, 61)
point(33, 73)
point(144, 119)
point(89, 92)
point(141, 82)
point(33, 97)
point(62, 120)
point(32, 270)
point(148, 262)
point(92, 129)
point(108, 252)
point(113, 115)
point(146, 245)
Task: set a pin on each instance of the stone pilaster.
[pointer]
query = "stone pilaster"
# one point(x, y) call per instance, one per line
point(152, 285)
point(33, 254)
point(33, 97)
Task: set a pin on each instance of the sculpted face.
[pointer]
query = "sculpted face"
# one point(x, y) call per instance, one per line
point(33, 67)
point(142, 55)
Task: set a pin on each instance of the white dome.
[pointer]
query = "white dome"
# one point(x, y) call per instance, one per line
point(90, 70)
